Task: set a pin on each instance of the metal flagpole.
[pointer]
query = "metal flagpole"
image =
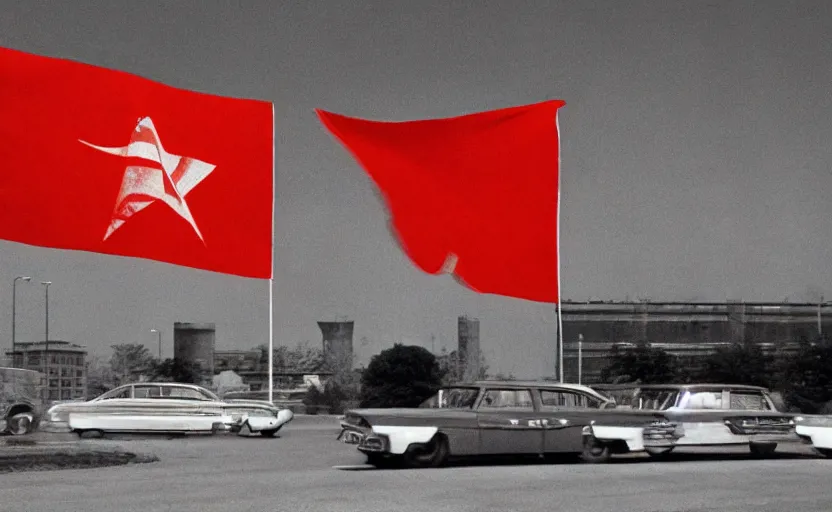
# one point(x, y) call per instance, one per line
point(271, 339)
point(557, 236)
point(271, 280)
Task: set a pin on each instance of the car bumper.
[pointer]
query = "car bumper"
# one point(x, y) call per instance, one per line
point(367, 442)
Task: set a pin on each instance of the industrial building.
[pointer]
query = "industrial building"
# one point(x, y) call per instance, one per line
point(468, 347)
point(683, 329)
point(195, 343)
point(64, 364)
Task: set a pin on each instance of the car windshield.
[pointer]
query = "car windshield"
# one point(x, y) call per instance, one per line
point(646, 399)
point(452, 398)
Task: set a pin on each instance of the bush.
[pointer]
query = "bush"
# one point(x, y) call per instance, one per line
point(401, 376)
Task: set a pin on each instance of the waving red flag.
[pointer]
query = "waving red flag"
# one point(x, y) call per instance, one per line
point(104, 161)
point(475, 195)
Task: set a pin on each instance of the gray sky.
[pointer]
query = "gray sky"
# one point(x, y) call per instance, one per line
point(695, 158)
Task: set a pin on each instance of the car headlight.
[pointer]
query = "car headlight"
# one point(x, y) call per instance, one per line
point(813, 421)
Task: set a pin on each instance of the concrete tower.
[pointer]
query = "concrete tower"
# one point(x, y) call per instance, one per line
point(337, 342)
point(468, 349)
point(195, 343)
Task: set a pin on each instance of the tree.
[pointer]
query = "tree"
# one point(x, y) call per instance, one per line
point(300, 358)
point(401, 376)
point(128, 361)
point(100, 377)
point(806, 378)
point(738, 363)
point(643, 363)
point(176, 370)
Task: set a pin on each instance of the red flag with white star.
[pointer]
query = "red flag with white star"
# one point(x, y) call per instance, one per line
point(99, 160)
point(476, 195)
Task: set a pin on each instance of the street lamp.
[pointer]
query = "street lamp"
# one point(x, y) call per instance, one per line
point(14, 300)
point(46, 347)
point(159, 333)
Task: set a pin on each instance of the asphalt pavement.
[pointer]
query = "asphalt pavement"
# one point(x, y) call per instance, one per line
point(297, 472)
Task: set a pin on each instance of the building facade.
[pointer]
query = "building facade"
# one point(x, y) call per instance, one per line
point(684, 329)
point(255, 372)
point(63, 363)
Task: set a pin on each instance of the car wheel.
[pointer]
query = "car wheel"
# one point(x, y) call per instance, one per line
point(658, 453)
point(595, 451)
point(762, 449)
point(90, 434)
point(432, 454)
point(21, 424)
point(269, 433)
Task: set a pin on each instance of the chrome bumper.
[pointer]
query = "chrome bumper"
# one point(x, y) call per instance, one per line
point(365, 442)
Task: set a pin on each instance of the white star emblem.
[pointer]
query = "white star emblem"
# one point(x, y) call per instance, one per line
point(143, 185)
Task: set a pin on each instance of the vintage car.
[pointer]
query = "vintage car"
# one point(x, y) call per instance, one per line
point(722, 414)
point(503, 418)
point(165, 407)
point(21, 405)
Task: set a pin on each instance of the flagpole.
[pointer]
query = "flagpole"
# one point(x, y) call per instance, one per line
point(271, 339)
point(271, 279)
point(557, 237)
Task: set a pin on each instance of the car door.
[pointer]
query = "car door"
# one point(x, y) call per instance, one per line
point(564, 413)
point(508, 422)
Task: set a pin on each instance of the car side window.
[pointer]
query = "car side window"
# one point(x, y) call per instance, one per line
point(146, 391)
point(124, 393)
point(748, 401)
point(705, 400)
point(551, 399)
point(507, 399)
point(182, 392)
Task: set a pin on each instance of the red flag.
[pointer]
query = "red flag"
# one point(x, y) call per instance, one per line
point(475, 195)
point(104, 161)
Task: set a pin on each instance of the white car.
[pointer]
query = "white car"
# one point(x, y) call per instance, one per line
point(723, 415)
point(165, 407)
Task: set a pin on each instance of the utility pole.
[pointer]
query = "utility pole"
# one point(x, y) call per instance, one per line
point(46, 347)
point(25, 279)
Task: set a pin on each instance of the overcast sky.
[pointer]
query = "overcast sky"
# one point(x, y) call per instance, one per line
point(695, 165)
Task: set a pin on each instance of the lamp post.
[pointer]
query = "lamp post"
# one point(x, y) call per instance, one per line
point(159, 334)
point(46, 347)
point(14, 301)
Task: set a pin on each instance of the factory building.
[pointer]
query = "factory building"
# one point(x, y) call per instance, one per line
point(683, 329)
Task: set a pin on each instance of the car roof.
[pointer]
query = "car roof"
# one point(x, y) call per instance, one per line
point(746, 387)
point(527, 384)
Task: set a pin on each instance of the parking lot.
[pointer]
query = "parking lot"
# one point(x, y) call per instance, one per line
point(305, 469)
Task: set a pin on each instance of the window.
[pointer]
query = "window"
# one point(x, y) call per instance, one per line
point(79, 373)
point(78, 393)
point(65, 372)
point(183, 393)
point(748, 401)
point(704, 400)
point(513, 399)
point(568, 399)
point(66, 383)
point(116, 393)
point(146, 391)
point(66, 394)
